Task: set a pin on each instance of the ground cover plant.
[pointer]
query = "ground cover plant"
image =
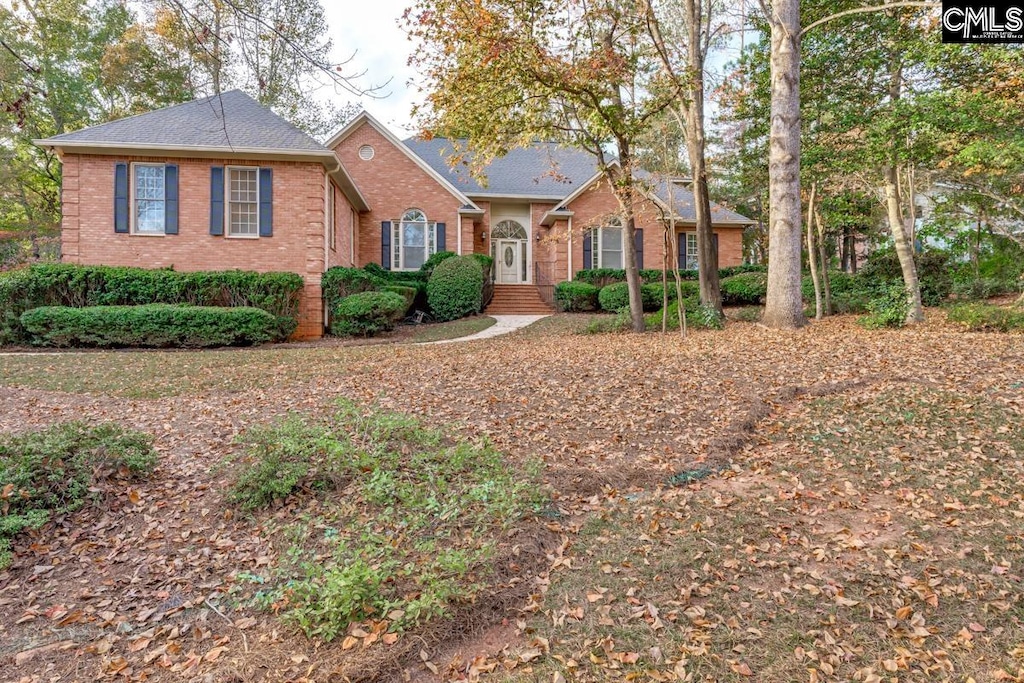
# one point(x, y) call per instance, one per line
point(764, 481)
point(415, 535)
point(57, 470)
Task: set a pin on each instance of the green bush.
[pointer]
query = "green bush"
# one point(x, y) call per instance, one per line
point(338, 283)
point(57, 470)
point(155, 325)
point(979, 317)
point(969, 288)
point(408, 293)
point(455, 288)
point(698, 317)
point(882, 269)
point(887, 310)
point(368, 313)
point(615, 297)
point(744, 289)
point(576, 297)
point(428, 267)
point(81, 286)
point(601, 277)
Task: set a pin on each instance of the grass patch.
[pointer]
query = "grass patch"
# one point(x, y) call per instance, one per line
point(450, 330)
point(403, 523)
point(59, 469)
point(162, 374)
point(875, 536)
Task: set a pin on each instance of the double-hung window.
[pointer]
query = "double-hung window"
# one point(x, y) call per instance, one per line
point(691, 251)
point(243, 201)
point(149, 199)
point(413, 241)
point(607, 249)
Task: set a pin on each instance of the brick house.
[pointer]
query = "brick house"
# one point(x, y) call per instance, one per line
point(223, 182)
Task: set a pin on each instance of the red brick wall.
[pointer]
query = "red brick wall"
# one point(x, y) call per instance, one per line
point(393, 183)
point(592, 207)
point(296, 246)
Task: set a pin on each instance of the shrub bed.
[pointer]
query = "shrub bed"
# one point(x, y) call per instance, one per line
point(744, 289)
point(155, 325)
point(368, 313)
point(978, 317)
point(615, 297)
point(83, 286)
point(888, 309)
point(601, 277)
point(456, 288)
point(57, 470)
point(576, 297)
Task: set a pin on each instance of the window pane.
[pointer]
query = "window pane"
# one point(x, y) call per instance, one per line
point(611, 238)
point(149, 199)
point(243, 198)
point(414, 245)
point(691, 251)
point(612, 259)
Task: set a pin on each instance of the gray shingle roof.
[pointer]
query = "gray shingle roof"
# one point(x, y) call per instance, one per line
point(544, 169)
point(683, 199)
point(232, 120)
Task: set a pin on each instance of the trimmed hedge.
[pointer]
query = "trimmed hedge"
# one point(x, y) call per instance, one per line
point(615, 297)
point(81, 286)
point(455, 288)
point(744, 289)
point(367, 313)
point(338, 283)
point(601, 277)
point(428, 267)
point(155, 325)
point(408, 293)
point(576, 297)
point(697, 317)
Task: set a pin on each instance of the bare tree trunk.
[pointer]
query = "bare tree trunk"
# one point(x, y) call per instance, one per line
point(812, 253)
point(826, 285)
point(784, 305)
point(903, 248)
point(664, 282)
point(674, 247)
point(707, 255)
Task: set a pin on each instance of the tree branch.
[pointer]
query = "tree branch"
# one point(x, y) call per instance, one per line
point(872, 8)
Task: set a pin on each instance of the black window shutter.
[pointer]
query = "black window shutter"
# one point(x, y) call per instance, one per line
point(440, 237)
point(638, 243)
point(681, 246)
point(385, 245)
point(121, 197)
point(588, 249)
point(171, 199)
point(217, 200)
point(266, 202)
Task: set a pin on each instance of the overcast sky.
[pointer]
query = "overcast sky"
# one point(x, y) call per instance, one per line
point(370, 29)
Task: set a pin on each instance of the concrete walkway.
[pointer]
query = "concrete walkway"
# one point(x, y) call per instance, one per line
point(504, 325)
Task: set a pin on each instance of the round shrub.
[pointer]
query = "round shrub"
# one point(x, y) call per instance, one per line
point(338, 283)
point(744, 289)
point(435, 258)
point(615, 297)
point(455, 288)
point(367, 313)
point(576, 297)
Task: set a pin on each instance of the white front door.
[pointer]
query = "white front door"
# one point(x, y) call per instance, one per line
point(509, 262)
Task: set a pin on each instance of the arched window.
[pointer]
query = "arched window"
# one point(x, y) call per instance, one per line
point(606, 241)
point(509, 230)
point(414, 239)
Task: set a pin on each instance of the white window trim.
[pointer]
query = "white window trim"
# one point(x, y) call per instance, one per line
point(687, 236)
point(227, 202)
point(398, 237)
point(133, 228)
point(597, 248)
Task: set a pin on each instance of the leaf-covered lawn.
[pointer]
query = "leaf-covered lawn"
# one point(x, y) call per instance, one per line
point(855, 504)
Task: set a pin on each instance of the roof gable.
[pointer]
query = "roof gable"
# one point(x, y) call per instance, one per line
point(685, 211)
point(231, 121)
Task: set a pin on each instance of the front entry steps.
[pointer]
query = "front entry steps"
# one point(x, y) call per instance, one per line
point(517, 300)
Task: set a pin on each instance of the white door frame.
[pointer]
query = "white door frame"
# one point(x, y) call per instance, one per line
point(515, 270)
